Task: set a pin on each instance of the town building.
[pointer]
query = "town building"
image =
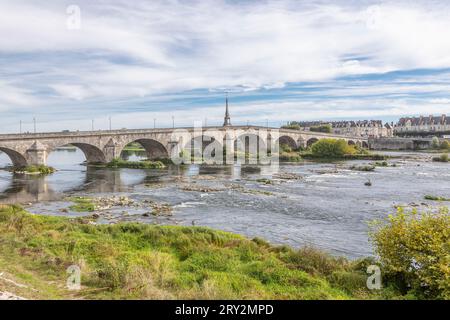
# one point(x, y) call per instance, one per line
point(430, 125)
point(360, 128)
point(364, 128)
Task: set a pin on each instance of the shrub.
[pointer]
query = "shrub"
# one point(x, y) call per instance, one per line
point(414, 252)
point(290, 156)
point(332, 148)
point(445, 145)
point(285, 148)
point(441, 158)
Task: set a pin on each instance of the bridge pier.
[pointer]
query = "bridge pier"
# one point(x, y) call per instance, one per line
point(110, 151)
point(37, 154)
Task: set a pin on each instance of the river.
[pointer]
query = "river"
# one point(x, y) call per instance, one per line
point(329, 207)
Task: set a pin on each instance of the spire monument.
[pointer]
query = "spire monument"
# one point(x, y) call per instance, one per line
point(226, 121)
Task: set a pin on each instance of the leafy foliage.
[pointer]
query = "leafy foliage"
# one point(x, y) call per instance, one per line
point(332, 148)
point(293, 126)
point(326, 128)
point(435, 143)
point(35, 169)
point(414, 249)
point(445, 145)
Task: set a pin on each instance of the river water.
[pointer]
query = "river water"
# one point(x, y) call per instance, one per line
point(329, 207)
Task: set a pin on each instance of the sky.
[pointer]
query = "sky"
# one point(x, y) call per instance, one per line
point(74, 64)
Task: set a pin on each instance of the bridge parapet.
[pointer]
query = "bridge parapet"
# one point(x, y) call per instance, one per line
point(103, 146)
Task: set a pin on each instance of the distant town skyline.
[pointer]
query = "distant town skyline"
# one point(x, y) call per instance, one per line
point(67, 63)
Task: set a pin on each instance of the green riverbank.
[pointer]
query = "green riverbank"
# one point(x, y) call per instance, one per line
point(138, 261)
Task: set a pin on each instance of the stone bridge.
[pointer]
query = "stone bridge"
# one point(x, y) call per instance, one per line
point(104, 146)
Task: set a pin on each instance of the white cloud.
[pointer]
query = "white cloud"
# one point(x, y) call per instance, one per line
point(126, 50)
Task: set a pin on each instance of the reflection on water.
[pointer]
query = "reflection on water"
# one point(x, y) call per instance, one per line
point(328, 208)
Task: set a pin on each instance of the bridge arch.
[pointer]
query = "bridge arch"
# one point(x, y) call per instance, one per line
point(288, 141)
point(92, 153)
point(17, 159)
point(365, 145)
point(351, 142)
point(311, 141)
point(153, 148)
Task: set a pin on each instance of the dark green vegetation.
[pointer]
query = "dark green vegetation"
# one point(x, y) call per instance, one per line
point(292, 125)
point(146, 164)
point(441, 158)
point(435, 198)
point(153, 262)
point(362, 168)
point(383, 164)
point(287, 154)
point(40, 169)
point(326, 128)
point(264, 181)
point(326, 150)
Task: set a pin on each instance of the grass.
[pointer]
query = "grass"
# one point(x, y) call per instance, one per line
point(82, 204)
point(436, 198)
point(147, 164)
point(34, 169)
point(138, 261)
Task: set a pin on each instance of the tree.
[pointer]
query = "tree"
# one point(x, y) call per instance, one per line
point(293, 126)
point(332, 148)
point(445, 145)
point(435, 143)
point(326, 128)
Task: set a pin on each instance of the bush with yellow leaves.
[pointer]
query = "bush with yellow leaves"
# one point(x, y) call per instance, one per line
point(414, 252)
